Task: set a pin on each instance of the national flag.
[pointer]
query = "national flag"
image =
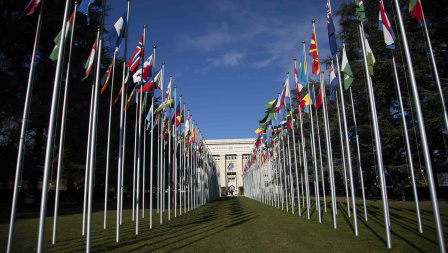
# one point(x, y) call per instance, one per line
point(314, 54)
point(312, 98)
point(117, 34)
point(180, 118)
point(266, 118)
point(29, 9)
point(187, 126)
point(281, 100)
point(296, 84)
point(148, 68)
point(57, 40)
point(106, 77)
point(415, 8)
point(173, 119)
point(319, 100)
point(153, 84)
point(333, 82)
point(148, 119)
point(168, 91)
point(89, 63)
point(270, 106)
point(302, 73)
point(138, 53)
point(287, 88)
point(370, 57)
point(166, 104)
point(132, 99)
point(331, 30)
point(360, 11)
point(85, 6)
point(305, 101)
point(384, 25)
point(348, 74)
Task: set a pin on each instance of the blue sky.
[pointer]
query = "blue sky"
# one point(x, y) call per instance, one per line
point(227, 58)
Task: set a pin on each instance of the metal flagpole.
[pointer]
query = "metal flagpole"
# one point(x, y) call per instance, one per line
point(51, 131)
point(139, 122)
point(135, 150)
point(151, 165)
point(320, 152)
point(359, 156)
point(313, 146)
point(144, 112)
point(341, 139)
point(22, 139)
point(121, 142)
point(408, 148)
point(62, 135)
point(289, 150)
point(421, 125)
point(185, 163)
point(94, 132)
point(329, 155)
point(169, 157)
point(295, 151)
point(86, 174)
point(175, 151)
point(379, 154)
point(161, 175)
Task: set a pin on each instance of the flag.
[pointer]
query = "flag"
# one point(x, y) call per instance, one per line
point(153, 84)
point(319, 100)
point(301, 73)
point(305, 101)
point(187, 126)
point(287, 88)
point(148, 119)
point(173, 119)
point(89, 63)
point(415, 8)
point(131, 100)
point(180, 118)
point(166, 104)
point(331, 30)
point(106, 77)
point(296, 84)
point(281, 100)
point(138, 53)
point(85, 5)
point(314, 54)
point(370, 57)
point(117, 34)
point(29, 9)
point(148, 67)
point(126, 89)
point(348, 75)
point(57, 40)
point(168, 91)
point(266, 118)
point(312, 99)
point(384, 25)
point(333, 82)
point(360, 11)
point(270, 108)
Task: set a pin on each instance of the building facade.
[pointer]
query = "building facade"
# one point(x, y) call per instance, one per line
point(230, 157)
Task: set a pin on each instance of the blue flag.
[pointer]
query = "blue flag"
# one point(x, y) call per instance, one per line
point(118, 32)
point(331, 30)
point(84, 7)
point(301, 73)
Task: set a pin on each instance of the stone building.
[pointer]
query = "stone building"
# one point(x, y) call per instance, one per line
point(230, 156)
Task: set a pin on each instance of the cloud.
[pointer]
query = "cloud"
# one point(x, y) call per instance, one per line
point(232, 59)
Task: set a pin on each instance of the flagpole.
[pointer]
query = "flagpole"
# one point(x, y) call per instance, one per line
point(86, 173)
point(316, 172)
point(379, 154)
point(152, 159)
point(289, 150)
point(175, 150)
point(51, 130)
point(185, 163)
point(329, 154)
point(408, 147)
point(26, 109)
point(135, 149)
point(359, 156)
point(295, 151)
point(305, 162)
point(62, 134)
point(423, 138)
point(320, 153)
point(169, 157)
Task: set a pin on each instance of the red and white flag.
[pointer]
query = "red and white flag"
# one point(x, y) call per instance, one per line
point(133, 62)
point(29, 9)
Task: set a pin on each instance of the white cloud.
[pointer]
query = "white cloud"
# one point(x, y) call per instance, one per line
point(231, 59)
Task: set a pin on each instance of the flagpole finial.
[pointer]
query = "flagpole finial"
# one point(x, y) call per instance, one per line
point(144, 26)
point(163, 63)
point(279, 92)
point(294, 59)
point(181, 96)
point(154, 47)
point(303, 42)
point(171, 75)
point(175, 87)
point(76, 3)
point(287, 72)
point(313, 21)
point(98, 29)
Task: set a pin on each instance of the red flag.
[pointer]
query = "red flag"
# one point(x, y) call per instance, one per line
point(415, 7)
point(319, 100)
point(314, 54)
point(29, 9)
point(138, 53)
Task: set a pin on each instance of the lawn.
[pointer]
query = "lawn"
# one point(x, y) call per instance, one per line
point(238, 224)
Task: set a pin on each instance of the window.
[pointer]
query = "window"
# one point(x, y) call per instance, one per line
point(230, 157)
point(217, 157)
point(245, 157)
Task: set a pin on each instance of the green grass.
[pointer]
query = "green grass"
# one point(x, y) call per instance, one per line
point(239, 224)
